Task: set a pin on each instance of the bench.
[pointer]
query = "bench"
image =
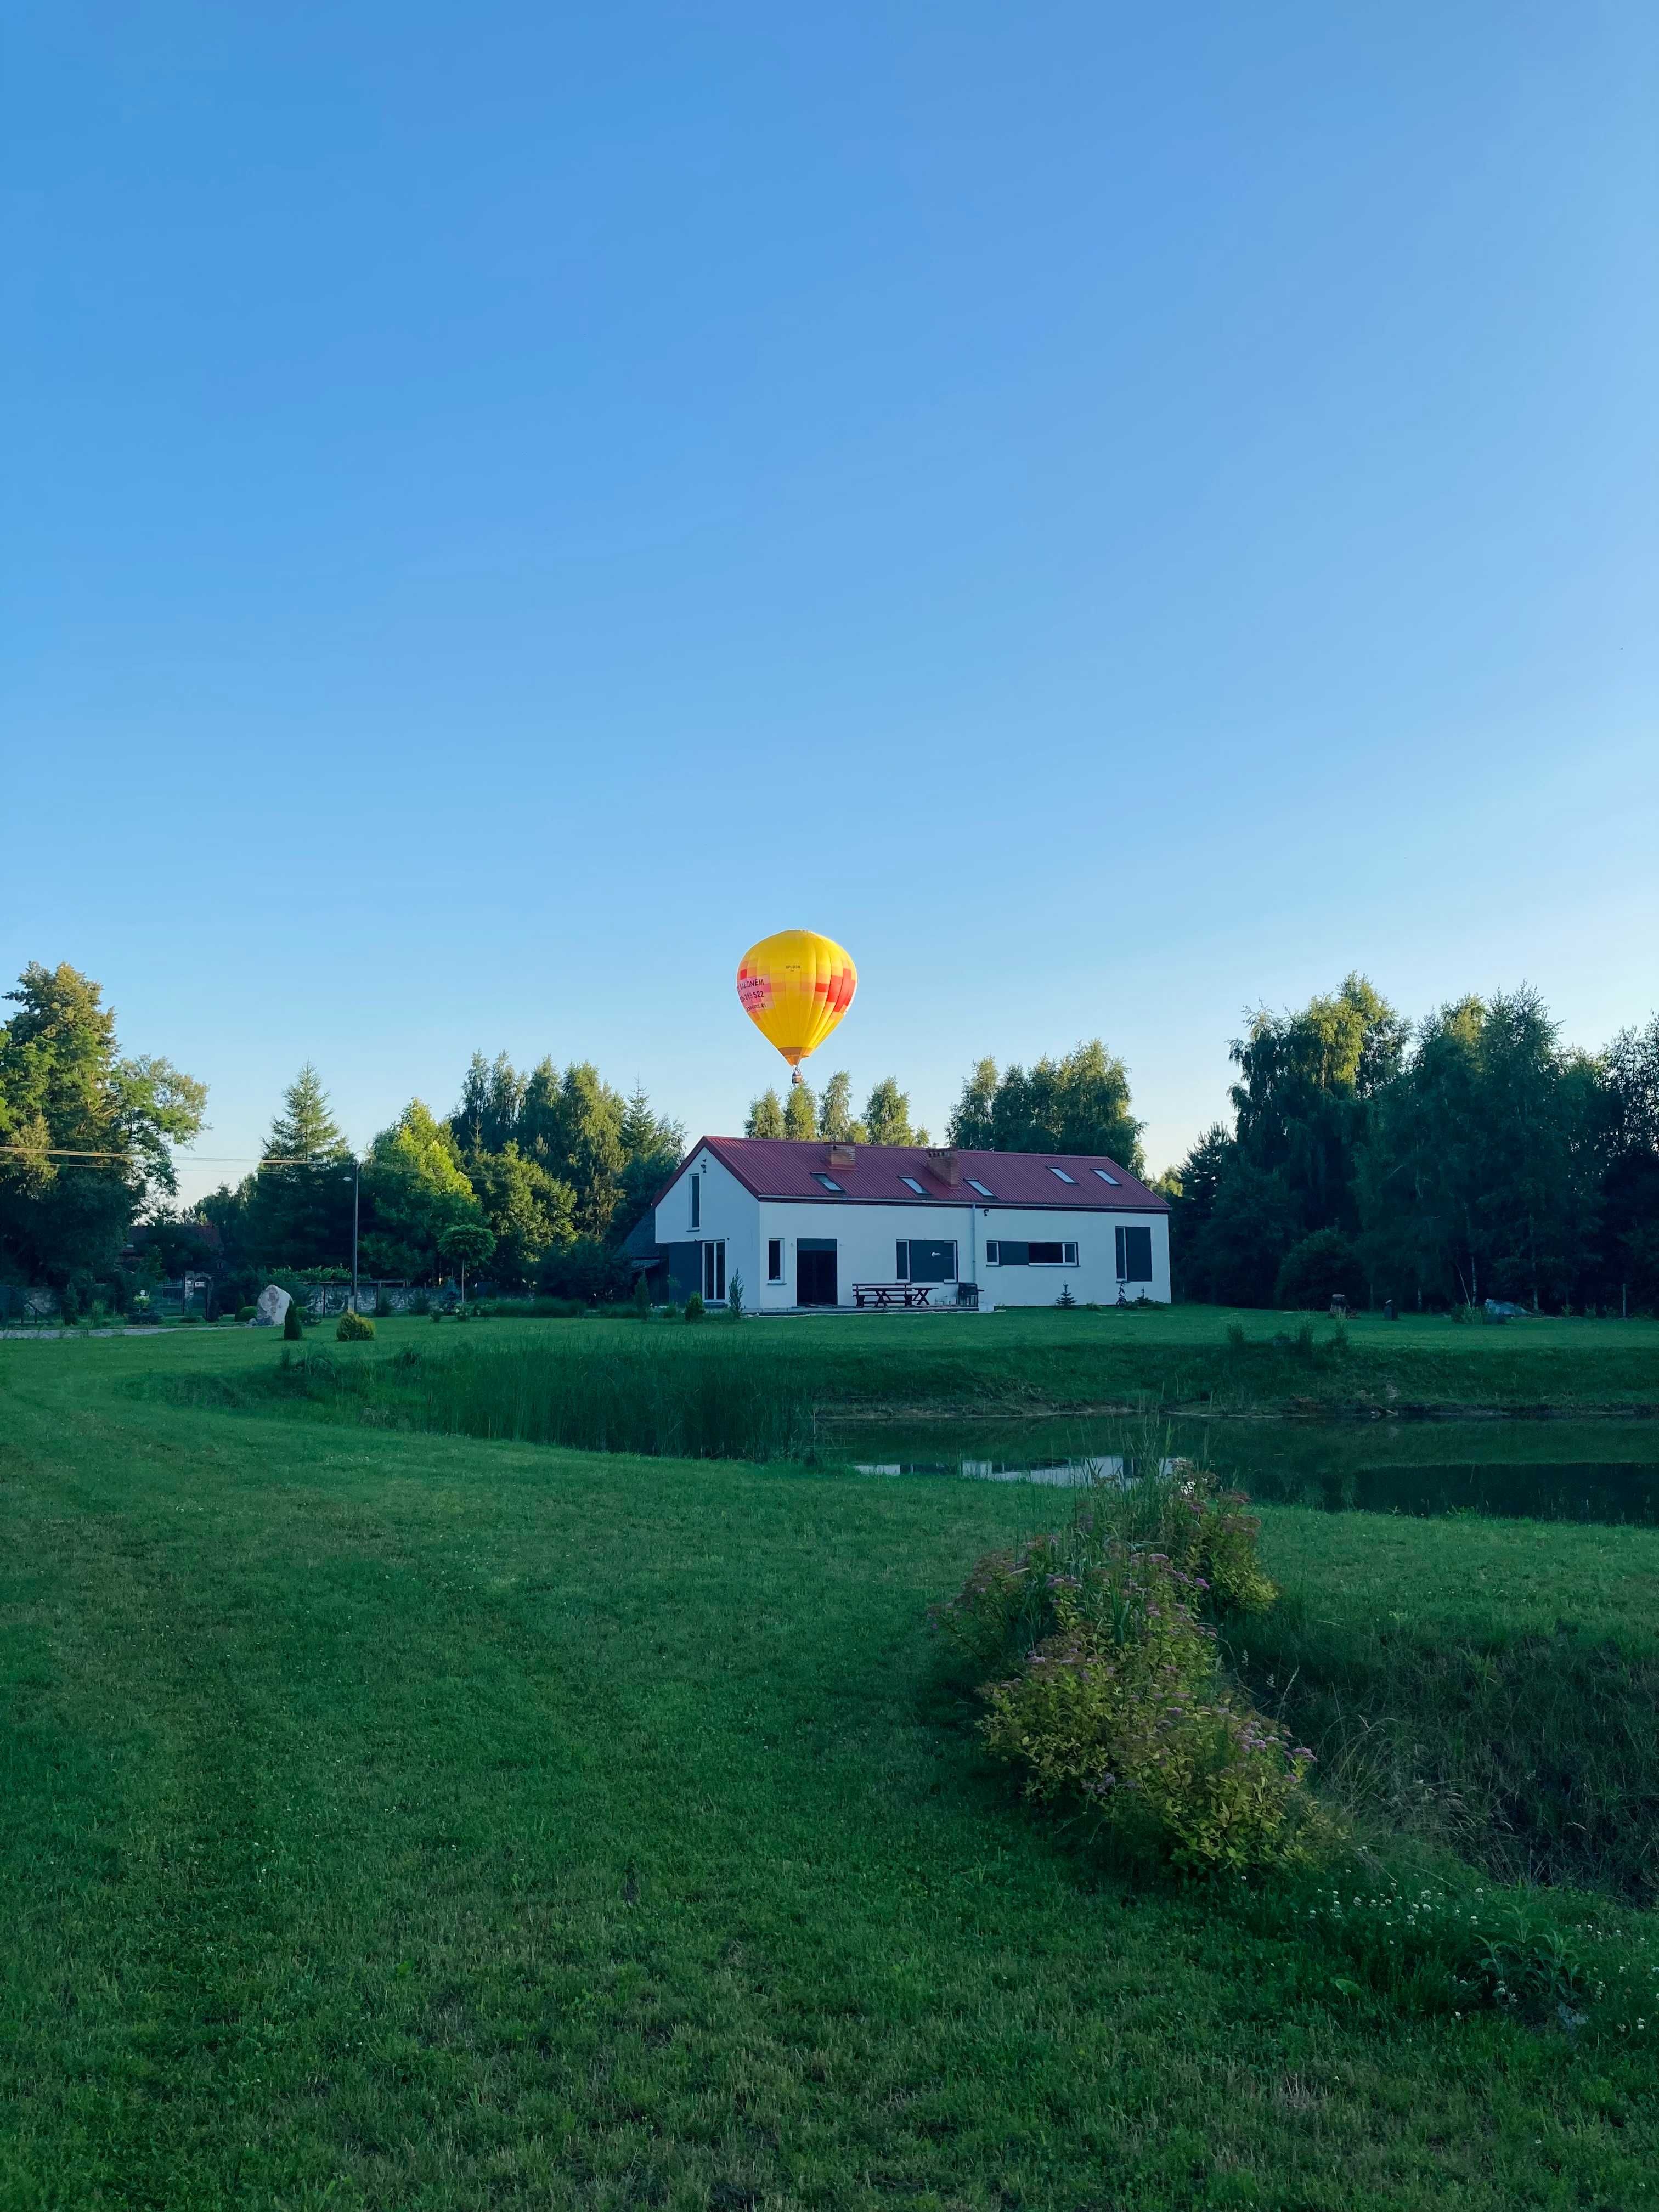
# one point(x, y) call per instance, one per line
point(891, 1294)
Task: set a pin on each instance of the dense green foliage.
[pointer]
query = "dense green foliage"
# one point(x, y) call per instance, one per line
point(552, 1169)
point(65, 1088)
point(396, 1820)
point(801, 1116)
point(1078, 1103)
point(1473, 1158)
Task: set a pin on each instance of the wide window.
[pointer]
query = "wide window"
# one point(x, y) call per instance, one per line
point(1134, 1255)
point(1008, 1252)
point(925, 1260)
point(774, 1259)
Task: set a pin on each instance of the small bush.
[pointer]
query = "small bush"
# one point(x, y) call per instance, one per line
point(354, 1329)
point(1236, 1339)
point(735, 1299)
point(247, 1313)
point(694, 1308)
point(642, 1294)
point(293, 1329)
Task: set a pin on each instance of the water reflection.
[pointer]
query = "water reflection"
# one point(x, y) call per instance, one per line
point(1584, 1471)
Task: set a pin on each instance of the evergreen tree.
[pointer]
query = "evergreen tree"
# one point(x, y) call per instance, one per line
point(765, 1116)
point(305, 1129)
point(835, 1120)
point(887, 1115)
point(800, 1113)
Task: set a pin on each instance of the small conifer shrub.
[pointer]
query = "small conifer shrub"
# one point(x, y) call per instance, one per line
point(354, 1329)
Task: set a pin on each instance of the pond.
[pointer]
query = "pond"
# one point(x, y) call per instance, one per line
point(1587, 1471)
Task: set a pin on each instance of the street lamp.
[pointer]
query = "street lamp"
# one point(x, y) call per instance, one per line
point(356, 1192)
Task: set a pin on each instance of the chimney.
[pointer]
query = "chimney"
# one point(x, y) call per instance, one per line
point(947, 1167)
point(841, 1155)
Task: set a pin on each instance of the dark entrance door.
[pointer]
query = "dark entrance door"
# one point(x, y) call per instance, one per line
point(816, 1282)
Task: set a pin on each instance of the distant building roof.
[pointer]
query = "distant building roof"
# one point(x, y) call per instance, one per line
point(785, 1167)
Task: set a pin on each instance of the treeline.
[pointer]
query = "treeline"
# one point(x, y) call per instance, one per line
point(1471, 1155)
point(536, 1176)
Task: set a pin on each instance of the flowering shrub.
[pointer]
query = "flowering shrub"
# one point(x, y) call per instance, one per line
point(1007, 1605)
point(1122, 1714)
point(1207, 1532)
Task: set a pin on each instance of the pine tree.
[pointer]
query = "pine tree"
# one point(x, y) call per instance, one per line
point(306, 1130)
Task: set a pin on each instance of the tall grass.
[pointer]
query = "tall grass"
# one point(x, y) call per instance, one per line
point(616, 1393)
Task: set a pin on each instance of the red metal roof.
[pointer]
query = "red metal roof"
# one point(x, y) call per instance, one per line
point(783, 1167)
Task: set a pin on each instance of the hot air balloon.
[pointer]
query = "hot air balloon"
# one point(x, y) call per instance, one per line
point(794, 987)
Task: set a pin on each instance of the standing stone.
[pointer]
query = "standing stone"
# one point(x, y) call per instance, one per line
point(272, 1309)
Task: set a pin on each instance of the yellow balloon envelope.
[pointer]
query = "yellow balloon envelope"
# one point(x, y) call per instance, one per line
point(794, 987)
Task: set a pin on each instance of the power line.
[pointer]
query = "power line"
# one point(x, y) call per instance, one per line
point(188, 1160)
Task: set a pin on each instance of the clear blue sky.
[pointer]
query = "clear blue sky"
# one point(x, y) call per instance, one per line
point(1115, 513)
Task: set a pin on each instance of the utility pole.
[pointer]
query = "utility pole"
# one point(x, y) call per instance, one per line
point(356, 1190)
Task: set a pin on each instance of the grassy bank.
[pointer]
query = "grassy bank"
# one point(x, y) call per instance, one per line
point(398, 1820)
point(1180, 1357)
point(1486, 1685)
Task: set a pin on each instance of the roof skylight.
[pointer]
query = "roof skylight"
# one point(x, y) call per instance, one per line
point(829, 1183)
point(1111, 1179)
point(910, 1183)
point(981, 1189)
point(1061, 1173)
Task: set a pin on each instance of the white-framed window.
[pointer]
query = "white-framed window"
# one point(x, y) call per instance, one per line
point(714, 1272)
point(774, 1259)
point(1025, 1252)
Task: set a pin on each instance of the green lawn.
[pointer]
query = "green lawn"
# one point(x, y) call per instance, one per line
point(412, 1822)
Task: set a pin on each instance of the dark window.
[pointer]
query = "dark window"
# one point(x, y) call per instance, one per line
point(774, 1259)
point(901, 1267)
point(1011, 1254)
point(1134, 1255)
point(1046, 1255)
point(697, 1201)
point(1071, 1256)
point(992, 1254)
point(828, 1183)
point(926, 1261)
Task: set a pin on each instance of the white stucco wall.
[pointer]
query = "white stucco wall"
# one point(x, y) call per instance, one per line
point(866, 1237)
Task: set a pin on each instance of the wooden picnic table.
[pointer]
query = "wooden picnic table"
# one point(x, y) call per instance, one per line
point(891, 1294)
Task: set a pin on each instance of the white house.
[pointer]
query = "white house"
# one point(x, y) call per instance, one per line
point(827, 1225)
